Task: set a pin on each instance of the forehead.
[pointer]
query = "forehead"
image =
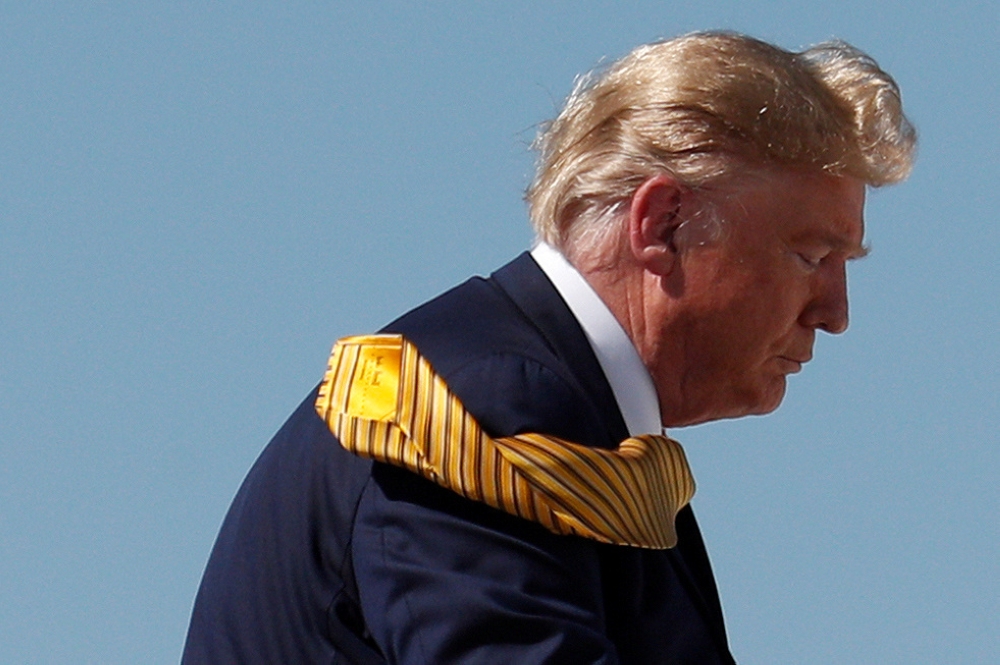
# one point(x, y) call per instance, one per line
point(807, 208)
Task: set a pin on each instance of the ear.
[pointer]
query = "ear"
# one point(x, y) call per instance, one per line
point(654, 215)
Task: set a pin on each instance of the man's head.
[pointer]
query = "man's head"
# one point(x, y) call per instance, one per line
point(711, 188)
point(706, 106)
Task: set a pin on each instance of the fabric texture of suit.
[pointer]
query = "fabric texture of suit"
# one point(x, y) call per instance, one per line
point(325, 557)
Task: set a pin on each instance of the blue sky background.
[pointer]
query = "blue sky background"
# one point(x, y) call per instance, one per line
point(198, 198)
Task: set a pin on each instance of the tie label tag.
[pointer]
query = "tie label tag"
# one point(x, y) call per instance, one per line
point(375, 389)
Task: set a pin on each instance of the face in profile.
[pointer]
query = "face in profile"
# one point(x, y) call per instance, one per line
point(753, 300)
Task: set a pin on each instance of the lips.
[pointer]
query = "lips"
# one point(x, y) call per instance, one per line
point(793, 365)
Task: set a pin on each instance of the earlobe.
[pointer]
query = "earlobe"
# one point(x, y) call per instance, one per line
point(654, 216)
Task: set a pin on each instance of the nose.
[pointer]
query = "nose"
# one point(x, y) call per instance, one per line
point(828, 308)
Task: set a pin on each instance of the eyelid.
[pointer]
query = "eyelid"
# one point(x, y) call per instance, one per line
point(812, 260)
point(815, 256)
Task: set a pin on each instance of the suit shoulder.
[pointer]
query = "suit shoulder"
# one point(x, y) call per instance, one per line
point(509, 393)
point(502, 365)
point(473, 319)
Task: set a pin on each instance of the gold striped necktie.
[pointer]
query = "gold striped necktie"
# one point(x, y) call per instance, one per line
point(382, 400)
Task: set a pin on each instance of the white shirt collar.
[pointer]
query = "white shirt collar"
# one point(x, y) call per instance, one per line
point(629, 379)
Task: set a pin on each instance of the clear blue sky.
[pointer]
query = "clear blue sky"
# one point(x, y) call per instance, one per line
point(197, 199)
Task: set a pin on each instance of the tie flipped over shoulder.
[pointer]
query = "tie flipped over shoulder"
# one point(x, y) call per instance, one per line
point(382, 400)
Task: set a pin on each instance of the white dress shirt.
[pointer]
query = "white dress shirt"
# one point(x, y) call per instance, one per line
point(629, 379)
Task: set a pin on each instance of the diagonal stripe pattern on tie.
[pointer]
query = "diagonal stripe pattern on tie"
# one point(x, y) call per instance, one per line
point(383, 401)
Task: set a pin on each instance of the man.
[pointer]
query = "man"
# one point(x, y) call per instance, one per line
point(696, 203)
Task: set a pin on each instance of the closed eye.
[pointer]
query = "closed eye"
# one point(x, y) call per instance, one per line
point(811, 260)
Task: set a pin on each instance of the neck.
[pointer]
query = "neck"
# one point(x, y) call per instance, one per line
point(635, 298)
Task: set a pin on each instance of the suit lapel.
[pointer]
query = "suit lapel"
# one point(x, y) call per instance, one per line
point(690, 562)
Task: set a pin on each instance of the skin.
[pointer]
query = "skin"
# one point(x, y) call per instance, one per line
point(721, 321)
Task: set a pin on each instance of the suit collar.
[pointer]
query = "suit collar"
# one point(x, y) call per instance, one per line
point(626, 374)
point(526, 285)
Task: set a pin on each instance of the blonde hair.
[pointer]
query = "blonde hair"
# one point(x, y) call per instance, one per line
point(706, 105)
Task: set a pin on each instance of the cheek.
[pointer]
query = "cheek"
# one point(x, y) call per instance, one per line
point(743, 316)
point(774, 302)
point(756, 326)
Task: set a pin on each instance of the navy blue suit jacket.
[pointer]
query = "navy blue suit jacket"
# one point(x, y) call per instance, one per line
point(325, 557)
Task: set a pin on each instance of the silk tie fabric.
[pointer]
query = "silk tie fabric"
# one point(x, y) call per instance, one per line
point(382, 400)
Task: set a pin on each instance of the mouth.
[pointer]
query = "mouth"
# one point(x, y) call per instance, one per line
point(792, 365)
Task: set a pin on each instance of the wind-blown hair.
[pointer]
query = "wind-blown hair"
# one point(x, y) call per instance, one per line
point(706, 106)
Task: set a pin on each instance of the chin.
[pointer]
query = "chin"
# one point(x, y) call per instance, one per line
point(757, 400)
point(769, 399)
